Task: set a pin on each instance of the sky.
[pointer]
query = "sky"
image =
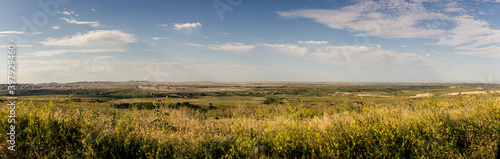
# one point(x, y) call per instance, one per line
point(253, 40)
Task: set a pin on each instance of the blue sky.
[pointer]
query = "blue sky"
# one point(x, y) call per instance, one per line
point(258, 40)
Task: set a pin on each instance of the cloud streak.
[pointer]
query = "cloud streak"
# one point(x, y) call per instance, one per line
point(11, 32)
point(59, 52)
point(366, 18)
point(451, 26)
point(72, 20)
point(230, 47)
point(288, 49)
point(187, 26)
point(354, 55)
point(94, 39)
point(313, 42)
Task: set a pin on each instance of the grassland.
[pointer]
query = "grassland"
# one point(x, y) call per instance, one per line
point(254, 120)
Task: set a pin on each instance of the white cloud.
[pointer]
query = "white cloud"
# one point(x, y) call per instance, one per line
point(75, 21)
point(101, 57)
point(366, 56)
point(159, 38)
point(231, 47)
point(219, 66)
point(104, 68)
point(74, 66)
point(65, 13)
point(467, 30)
point(451, 25)
point(20, 45)
point(368, 18)
point(313, 42)
point(55, 27)
point(95, 39)
point(289, 49)
point(454, 7)
point(36, 71)
point(187, 26)
point(162, 25)
point(195, 45)
point(54, 65)
point(58, 52)
point(473, 37)
point(403, 46)
point(193, 60)
point(59, 62)
point(92, 9)
point(486, 52)
point(226, 33)
point(11, 32)
point(354, 55)
point(5, 33)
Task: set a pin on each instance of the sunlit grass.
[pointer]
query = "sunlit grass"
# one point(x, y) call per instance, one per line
point(446, 127)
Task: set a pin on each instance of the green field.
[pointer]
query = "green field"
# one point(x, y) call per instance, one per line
point(254, 120)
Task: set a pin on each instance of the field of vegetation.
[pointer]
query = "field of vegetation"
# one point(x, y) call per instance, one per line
point(254, 120)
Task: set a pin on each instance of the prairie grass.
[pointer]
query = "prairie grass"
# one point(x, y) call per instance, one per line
point(458, 127)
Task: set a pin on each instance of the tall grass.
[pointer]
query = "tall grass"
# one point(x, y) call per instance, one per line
point(463, 127)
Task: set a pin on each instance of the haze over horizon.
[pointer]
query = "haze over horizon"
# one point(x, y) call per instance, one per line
point(247, 41)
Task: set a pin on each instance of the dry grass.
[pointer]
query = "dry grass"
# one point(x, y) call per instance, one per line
point(466, 126)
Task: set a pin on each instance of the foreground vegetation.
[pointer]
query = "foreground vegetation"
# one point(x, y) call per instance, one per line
point(303, 125)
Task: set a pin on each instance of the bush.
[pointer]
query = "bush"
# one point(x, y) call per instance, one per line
point(140, 105)
point(121, 105)
point(271, 100)
point(184, 104)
